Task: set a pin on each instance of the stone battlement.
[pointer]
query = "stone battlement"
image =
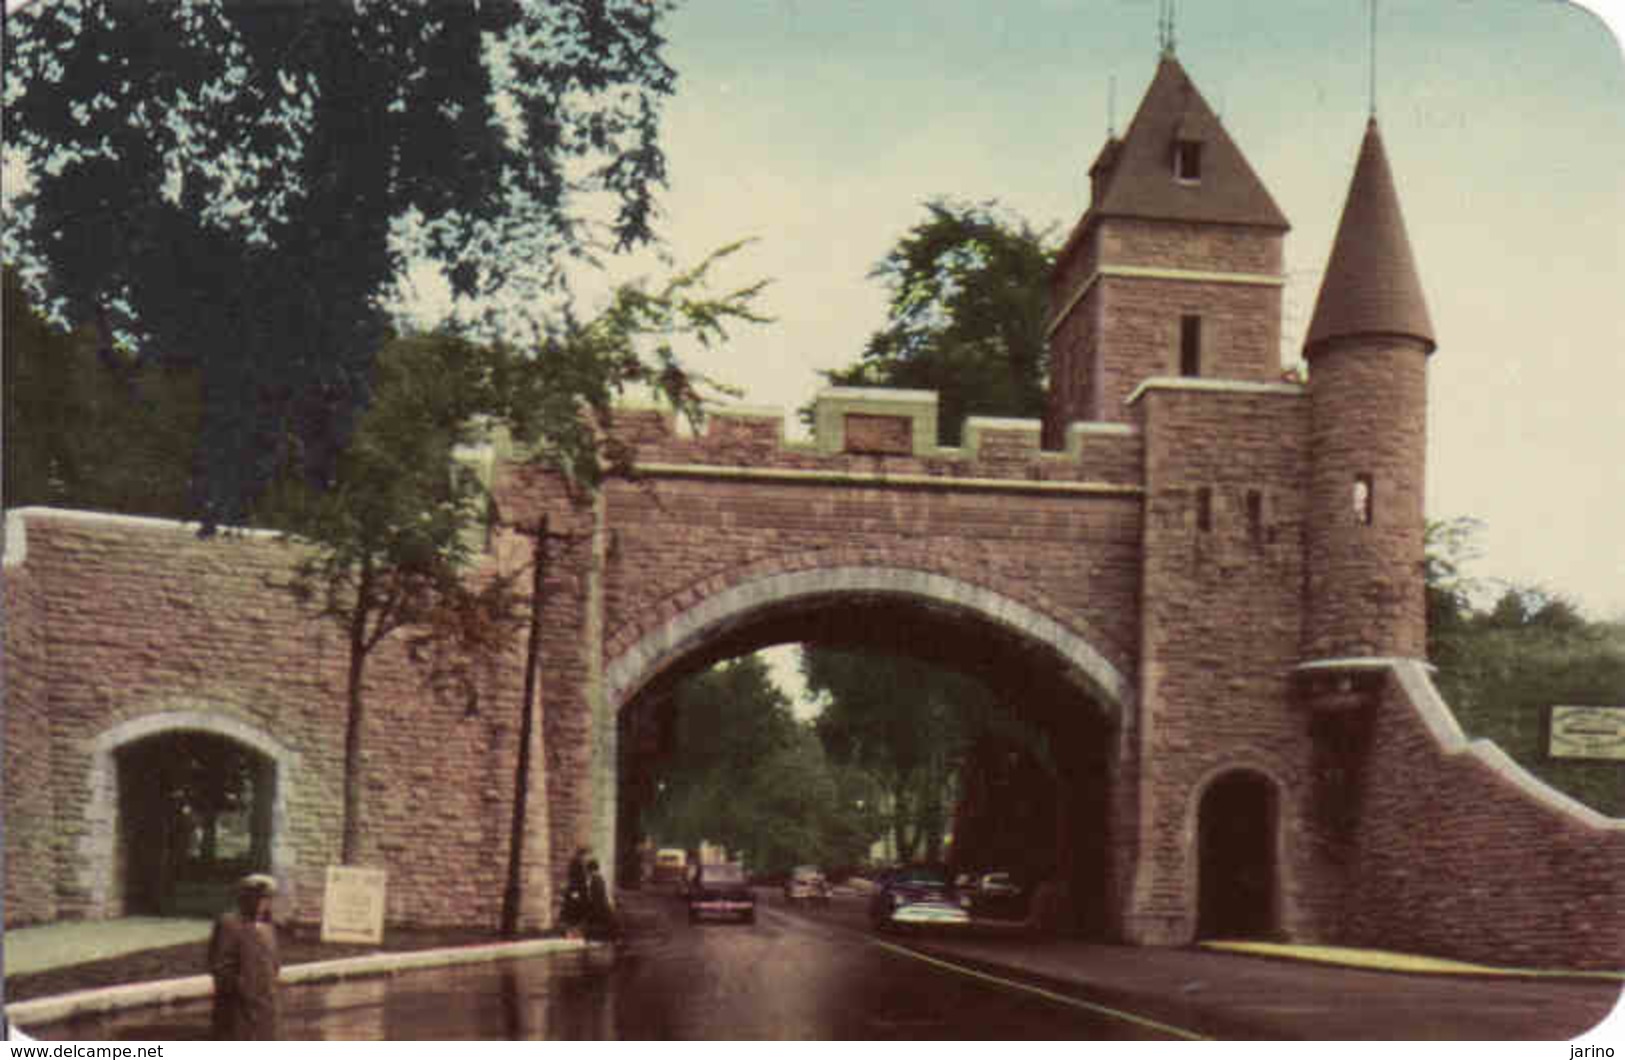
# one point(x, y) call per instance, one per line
point(869, 433)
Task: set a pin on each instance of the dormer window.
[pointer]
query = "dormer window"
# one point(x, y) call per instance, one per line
point(1188, 160)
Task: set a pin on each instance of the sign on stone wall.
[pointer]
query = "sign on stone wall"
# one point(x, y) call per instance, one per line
point(353, 905)
point(1587, 732)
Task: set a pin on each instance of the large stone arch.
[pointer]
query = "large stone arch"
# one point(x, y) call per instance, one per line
point(98, 845)
point(688, 629)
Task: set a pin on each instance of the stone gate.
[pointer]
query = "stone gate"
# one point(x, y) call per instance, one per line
point(1204, 581)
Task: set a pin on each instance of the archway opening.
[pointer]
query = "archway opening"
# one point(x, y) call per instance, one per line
point(1025, 792)
point(1236, 857)
point(195, 815)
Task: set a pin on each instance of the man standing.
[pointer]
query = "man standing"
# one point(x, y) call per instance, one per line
point(243, 961)
point(601, 923)
point(573, 914)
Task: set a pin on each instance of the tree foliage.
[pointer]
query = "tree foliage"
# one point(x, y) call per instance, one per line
point(746, 774)
point(88, 427)
point(908, 725)
point(242, 184)
point(390, 539)
point(969, 290)
point(1502, 666)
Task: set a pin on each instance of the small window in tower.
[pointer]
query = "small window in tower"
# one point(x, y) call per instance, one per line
point(1188, 160)
point(1190, 345)
point(1364, 502)
point(1255, 517)
point(1204, 509)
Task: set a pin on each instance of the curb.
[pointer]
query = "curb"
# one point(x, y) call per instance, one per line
point(192, 987)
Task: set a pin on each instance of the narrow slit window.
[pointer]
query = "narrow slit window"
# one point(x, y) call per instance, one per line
point(1364, 499)
point(1204, 509)
point(1255, 517)
point(1188, 160)
point(1190, 345)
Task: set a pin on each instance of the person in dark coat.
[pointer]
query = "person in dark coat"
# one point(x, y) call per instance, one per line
point(601, 923)
point(243, 961)
point(577, 902)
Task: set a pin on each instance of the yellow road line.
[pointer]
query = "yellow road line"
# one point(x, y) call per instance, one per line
point(1389, 961)
point(1048, 995)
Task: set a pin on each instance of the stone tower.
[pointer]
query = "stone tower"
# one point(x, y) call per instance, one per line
point(1367, 348)
point(1175, 270)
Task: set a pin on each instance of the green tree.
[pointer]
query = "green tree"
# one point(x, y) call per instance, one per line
point(908, 725)
point(730, 720)
point(242, 185)
point(1501, 668)
point(969, 295)
point(1449, 547)
point(387, 543)
point(87, 426)
point(388, 539)
point(743, 772)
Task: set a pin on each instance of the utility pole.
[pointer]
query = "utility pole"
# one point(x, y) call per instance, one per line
point(521, 779)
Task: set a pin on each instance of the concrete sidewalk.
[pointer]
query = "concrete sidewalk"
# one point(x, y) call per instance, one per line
point(62, 945)
point(39, 949)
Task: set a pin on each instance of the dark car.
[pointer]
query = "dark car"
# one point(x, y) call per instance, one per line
point(998, 894)
point(917, 896)
point(720, 890)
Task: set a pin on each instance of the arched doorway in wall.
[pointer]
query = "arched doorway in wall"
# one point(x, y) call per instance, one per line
point(1237, 870)
point(1039, 810)
point(195, 815)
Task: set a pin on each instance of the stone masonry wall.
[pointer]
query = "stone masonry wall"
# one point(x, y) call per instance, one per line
point(30, 824)
point(1241, 333)
point(1191, 245)
point(1125, 329)
point(148, 622)
point(739, 504)
point(1221, 629)
point(1454, 855)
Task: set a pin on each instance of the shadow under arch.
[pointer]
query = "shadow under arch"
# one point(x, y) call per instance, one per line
point(99, 845)
point(727, 617)
point(717, 615)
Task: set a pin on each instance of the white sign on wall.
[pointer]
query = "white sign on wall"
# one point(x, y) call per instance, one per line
point(353, 905)
point(1587, 732)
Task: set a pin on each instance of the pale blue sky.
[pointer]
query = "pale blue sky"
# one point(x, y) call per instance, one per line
point(820, 127)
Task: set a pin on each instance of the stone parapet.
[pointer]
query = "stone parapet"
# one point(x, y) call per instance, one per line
point(867, 435)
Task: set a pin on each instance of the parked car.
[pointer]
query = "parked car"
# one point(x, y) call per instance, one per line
point(720, 890)
point(670, 866)
point(999, 894)
point(915, 896)
point(806, 884)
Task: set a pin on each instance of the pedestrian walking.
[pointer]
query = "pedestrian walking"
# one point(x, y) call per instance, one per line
point(601, 921)
point(244, 964)
point(574, 909)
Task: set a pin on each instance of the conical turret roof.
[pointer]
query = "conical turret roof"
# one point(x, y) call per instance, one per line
point(1370, 285)
point(1135, 176)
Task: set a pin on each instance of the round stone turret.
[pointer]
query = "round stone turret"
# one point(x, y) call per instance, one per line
point(1367, 349)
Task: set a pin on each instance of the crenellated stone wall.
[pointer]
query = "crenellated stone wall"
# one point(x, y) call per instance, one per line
point(1143, 586)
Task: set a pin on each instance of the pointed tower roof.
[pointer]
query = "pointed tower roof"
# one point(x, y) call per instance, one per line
point(1135, 176)
point(1370, 285)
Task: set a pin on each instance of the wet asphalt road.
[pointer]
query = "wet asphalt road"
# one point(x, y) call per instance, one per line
point(815, 974)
